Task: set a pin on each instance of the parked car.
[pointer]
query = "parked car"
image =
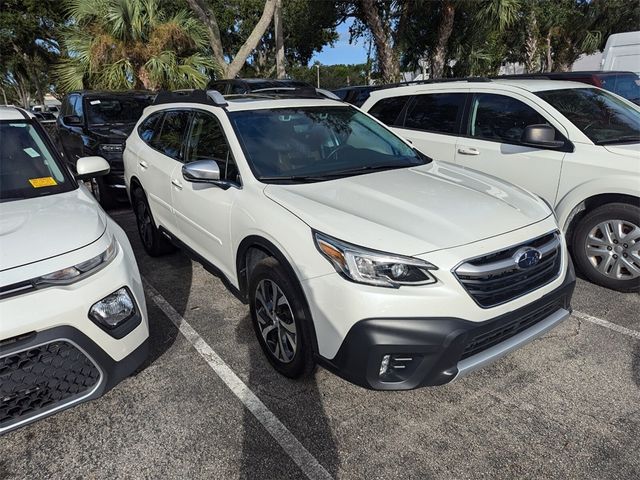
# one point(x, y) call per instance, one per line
point(352, 249)
point(241, 86)
point(574, 145)
point(357, 94)
point(72, 308)
point(625, 84)
point(97, 123)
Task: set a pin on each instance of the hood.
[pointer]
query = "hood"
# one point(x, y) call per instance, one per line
point(626, 149)
point(113, 132)
point(39, 228)
point(412, 210)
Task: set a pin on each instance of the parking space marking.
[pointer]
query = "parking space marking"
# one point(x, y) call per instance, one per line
point(291, 445)
point(604, 323)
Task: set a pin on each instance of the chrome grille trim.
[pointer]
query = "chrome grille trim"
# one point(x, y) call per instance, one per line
point(495, 278)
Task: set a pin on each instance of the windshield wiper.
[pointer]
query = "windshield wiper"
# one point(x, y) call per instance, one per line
point(623, 139)
point(366, 169)
point(293, 179)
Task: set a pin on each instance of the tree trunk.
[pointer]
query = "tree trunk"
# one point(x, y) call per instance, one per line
point(549, 65)
point(277, 23)
point(531, 44)
point(206, 16)
point(388, 62)
point(445, 28)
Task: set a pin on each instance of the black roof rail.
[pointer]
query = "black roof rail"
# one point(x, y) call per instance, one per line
point(207, 97)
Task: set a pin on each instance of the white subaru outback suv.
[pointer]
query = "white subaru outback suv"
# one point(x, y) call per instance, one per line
point(73, 319)
point(352, 249)
point(575, 145)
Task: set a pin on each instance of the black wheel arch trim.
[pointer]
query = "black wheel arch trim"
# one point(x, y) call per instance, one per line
point(256, 241)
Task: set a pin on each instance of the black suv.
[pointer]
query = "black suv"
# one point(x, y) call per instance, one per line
point(241, 86)
point(98, 123)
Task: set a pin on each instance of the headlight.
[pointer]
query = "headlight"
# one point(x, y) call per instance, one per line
point(77, 272)
point(372, 267)
point(113, 309)
point(111, 147)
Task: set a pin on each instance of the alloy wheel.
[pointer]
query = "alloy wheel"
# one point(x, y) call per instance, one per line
point(613, 248)
point(276, 321)
point(145, 227)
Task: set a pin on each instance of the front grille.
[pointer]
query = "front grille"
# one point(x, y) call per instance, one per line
point(500, 333)
point(42, 378)
point(496, 278)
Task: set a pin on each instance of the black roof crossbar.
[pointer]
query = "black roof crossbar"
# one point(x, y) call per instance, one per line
point(299, 92)
point(207, 97)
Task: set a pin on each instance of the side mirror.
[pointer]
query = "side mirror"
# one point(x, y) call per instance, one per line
point(540, 136)
point(201, 171)
point(91, 167)
point(72, 120)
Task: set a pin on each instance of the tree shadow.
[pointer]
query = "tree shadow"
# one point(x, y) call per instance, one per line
point(296, 403)
point(170, 275)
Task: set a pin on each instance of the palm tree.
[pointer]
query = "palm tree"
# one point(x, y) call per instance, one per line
point(120, 44)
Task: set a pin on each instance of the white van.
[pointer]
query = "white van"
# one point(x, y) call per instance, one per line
point(622, 52)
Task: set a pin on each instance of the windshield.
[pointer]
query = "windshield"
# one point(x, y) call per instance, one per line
point(115, 110)
point(602, 117)
point(27, 167)
point(626, 85)
point(293, 145)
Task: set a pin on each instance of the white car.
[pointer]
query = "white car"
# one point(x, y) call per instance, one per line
point(352, 249)
point(73, 319)
point(575, 145)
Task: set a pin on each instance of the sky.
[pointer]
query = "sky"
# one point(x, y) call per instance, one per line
point(342, 51)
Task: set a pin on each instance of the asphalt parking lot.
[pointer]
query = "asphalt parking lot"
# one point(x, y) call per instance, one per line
point(207, 405)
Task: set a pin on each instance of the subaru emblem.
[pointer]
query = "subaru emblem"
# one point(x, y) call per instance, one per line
point(527, 257)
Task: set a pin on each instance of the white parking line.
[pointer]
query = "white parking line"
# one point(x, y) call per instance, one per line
point(604, 323)
point(291, 445)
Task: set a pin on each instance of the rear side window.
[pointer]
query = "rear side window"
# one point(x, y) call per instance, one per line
point(500, 118)
point(436, 112)
point(150, 126)
point(388, 110)
point(171, 137)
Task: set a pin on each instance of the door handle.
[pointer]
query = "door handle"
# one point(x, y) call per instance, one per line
point(176, 183)
point(143, 164)
point(468, 151)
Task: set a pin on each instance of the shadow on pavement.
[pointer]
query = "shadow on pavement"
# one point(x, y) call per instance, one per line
point(170, 275)
point(296, 403)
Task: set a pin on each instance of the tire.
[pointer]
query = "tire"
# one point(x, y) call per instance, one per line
point(291, 319)
point(609, 259)
point(154, 243)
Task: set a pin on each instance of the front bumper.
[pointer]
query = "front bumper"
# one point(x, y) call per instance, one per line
point(42, 373)
point(52, 355)
point(434, 351)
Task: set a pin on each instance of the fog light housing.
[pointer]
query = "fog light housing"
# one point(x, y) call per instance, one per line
point(114, 309)
point(398, 367)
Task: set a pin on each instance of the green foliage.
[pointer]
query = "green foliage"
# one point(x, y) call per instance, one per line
point(121, 44)
point(28, 45)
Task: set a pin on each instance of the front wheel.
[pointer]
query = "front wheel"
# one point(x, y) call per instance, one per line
point(279, 319)
point(606, 246)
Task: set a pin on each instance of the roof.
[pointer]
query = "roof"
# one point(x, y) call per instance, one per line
point(13, 113)
point(531, 85)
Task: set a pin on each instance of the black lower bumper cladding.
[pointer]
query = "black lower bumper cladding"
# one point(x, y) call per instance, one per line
point(45, 372)
point(426, 351)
